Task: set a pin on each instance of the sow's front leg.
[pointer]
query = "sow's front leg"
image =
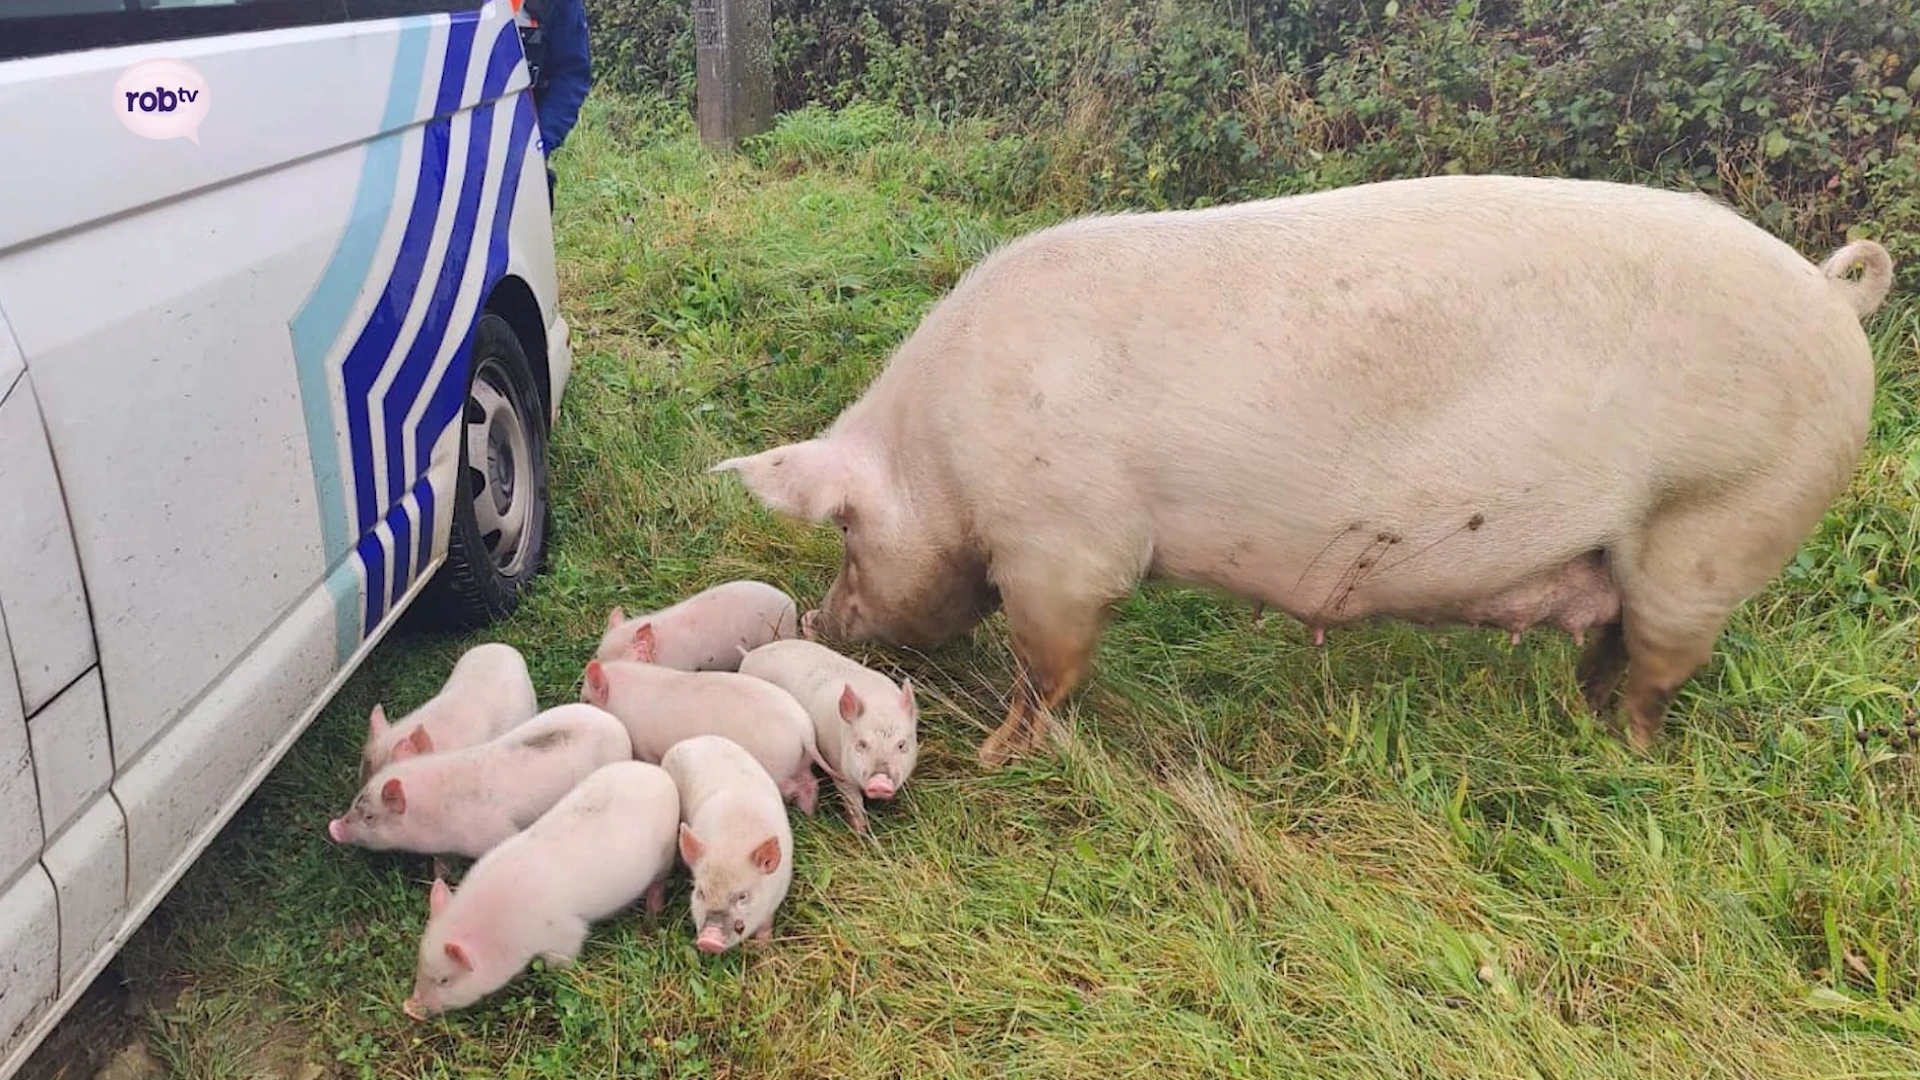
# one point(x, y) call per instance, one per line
point(1053, 641)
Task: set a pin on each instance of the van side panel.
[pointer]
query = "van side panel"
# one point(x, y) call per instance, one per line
point(40, 593)
point(251, 356)
point(293, 380)
point(401, 371)
point(20, 838)
point(252, 370)
point(29, 953)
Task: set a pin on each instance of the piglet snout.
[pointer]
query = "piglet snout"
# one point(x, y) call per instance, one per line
point(337, 829)
point(412, 1008)
point(712, 939)
point(880, 786)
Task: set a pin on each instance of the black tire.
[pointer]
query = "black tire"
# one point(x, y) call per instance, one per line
point(486, 573)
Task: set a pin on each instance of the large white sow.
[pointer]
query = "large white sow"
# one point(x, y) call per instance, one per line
point(1500, 401)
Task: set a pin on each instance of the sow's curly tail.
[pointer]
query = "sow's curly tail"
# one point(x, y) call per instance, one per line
point(1876, 274)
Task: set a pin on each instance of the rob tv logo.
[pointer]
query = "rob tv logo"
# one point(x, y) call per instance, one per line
point(162, 99)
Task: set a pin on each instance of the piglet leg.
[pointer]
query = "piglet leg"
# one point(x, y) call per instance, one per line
point(656, 898)
point(855, 802)
point(804, 789)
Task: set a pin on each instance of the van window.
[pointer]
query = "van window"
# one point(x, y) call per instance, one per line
point(44, 27)
point(387, 9)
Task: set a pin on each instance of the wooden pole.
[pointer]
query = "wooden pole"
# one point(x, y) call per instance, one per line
point(733, 47)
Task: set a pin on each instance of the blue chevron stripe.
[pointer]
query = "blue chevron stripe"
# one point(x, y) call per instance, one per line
point(385, 524)
point(410, 513)
point(450, 396)
point(318, 323)
point(404, 391)
point(420, 503)
point(369, 354)
point(400, 524)
point(372, 554)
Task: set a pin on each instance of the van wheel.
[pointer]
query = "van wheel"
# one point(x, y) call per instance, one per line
point(498, 541)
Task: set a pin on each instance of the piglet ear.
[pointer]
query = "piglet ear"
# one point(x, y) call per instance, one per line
point(615, 617)
point(458, 954)
point(393, 796)
point(596, 682)
point(645, 643)
point(691, 846)
point(418, 742)
point(906, 697)
point(805, 480)
point(766, 855)
point(850, 704)
point(376, 722)
point(438, 896)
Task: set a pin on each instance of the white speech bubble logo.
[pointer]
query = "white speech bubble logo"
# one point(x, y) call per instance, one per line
point(162, 99)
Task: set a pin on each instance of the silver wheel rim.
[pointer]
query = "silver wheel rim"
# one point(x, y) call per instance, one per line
point(499, 467)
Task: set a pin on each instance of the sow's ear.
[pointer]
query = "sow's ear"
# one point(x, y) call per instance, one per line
point(807, 480)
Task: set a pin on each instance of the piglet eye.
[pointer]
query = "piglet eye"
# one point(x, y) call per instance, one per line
point(861, 746)
point(901, 746)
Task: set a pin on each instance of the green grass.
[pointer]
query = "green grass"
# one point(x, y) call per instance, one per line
point(1403, 855)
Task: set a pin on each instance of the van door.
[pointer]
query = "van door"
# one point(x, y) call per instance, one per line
point(62, 835)
point(240, 346)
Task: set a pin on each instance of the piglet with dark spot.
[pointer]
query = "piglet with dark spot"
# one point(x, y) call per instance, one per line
point(464, 802)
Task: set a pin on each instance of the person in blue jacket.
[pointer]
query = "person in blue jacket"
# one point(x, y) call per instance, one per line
point(555, 35)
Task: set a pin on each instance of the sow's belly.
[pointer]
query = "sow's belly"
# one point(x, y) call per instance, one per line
point(1511, 570)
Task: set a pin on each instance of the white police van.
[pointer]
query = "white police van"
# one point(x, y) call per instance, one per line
point(261, 386)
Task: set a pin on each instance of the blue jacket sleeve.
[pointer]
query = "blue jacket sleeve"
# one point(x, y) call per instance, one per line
point(569, 72)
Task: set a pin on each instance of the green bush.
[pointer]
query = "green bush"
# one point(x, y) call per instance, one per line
point(1800, 112)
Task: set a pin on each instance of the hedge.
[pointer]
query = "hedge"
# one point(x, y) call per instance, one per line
point(1800, 112)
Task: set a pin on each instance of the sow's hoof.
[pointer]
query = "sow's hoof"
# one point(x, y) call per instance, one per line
point(1023, 732)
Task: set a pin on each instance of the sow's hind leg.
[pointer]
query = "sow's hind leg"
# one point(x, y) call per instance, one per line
point(1684, 575)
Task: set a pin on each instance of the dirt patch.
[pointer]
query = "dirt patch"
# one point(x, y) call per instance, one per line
point(102, 1027)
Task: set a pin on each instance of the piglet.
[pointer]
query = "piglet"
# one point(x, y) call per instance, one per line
point(867, 727)
point(661, 706)
point(735, 839)
point(464, 802)
point(601, 847)
point(488, 692)
point(704, 632)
